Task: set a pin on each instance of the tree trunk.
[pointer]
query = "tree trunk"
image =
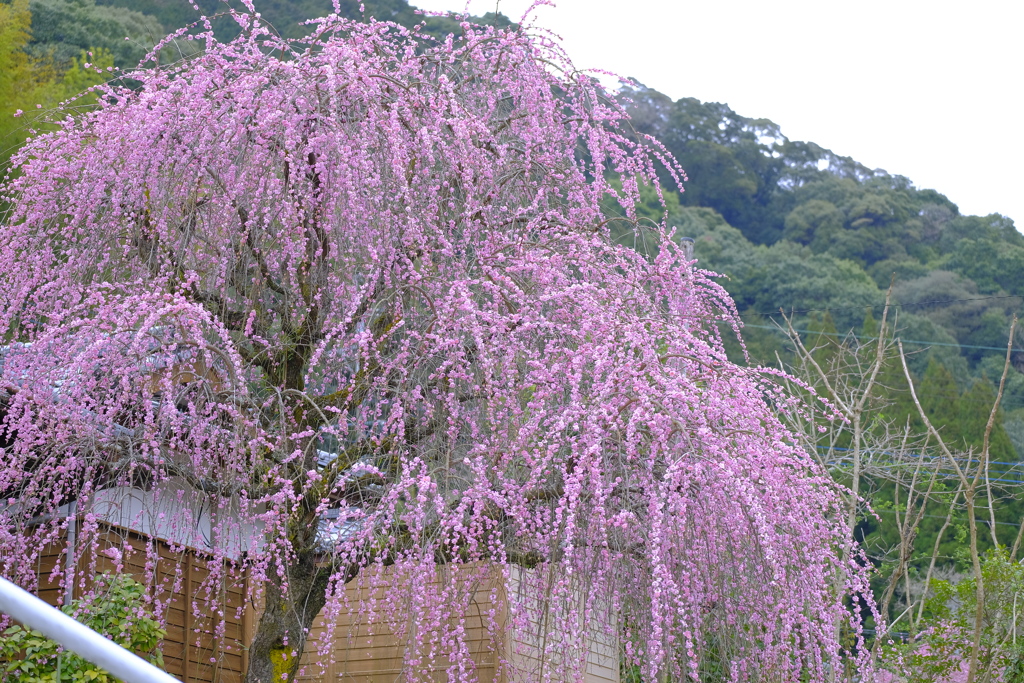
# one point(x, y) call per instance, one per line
point(296, 583)
point(281, 632)
point(979, 588)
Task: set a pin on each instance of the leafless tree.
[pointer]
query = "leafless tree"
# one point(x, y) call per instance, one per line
point(974, 478)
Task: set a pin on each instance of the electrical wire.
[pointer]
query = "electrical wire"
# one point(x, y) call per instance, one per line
point(869, 338)
point(979, 521)
point(882, 305)
point(914, 455)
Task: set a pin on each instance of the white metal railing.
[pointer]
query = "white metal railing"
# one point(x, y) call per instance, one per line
point(55, 625)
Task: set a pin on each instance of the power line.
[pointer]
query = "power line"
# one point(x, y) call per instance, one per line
point(985, 522)
point(1014, 466)
point(915, 455)
point(1005, 402)
point(906, 341)
point(882, 305)
point(950, 475)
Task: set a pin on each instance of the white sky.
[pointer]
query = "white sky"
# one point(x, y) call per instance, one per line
point(932, 90)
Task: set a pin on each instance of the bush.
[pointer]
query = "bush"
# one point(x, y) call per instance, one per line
point(941, 651)
point(116, 608)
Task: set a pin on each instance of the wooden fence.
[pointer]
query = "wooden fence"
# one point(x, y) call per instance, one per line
point(193, 650)
point(361, 652)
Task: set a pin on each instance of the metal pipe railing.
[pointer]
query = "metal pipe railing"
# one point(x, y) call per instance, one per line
point(55, 625)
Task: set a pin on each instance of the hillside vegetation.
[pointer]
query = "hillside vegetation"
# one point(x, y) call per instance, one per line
point(793, 226)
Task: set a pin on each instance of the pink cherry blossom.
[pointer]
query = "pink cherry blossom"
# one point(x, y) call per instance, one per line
point(347, 311)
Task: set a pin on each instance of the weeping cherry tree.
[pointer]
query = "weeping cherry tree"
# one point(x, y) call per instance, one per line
point(357, 293)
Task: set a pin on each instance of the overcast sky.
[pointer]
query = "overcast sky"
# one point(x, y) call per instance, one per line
point(930, 90)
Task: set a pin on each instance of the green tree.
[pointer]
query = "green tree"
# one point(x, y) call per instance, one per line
point(24, 80)
point(822, 339)
point(994, 265)
point(940, 653)
point(975, 407)
point(939, 395)
point(816, 221)
point(83, 72)
point(891, 400)
point(32, 85)
point(15, 66)
point(954, 303)
point(63, 29)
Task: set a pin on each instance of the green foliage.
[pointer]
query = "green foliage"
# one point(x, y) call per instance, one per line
point(800, 227)
point(116, 608)
point(975, 408)
point(898, 269)
point(729, 167)
point(62, 29)
point(816, 221)
point(34, 83)
point(964, 417)
point(994, 265)
point(24, 80)
point(1014, 426)
point(84, 71)
point(784, 275)
point(944, 644)
point(938, 393)
point(924, 340)
point(822, 338)
point(15, 65)
point(955, 304)
point(286, 15)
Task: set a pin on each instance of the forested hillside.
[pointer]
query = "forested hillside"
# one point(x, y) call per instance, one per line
point(789, 225)
point(793, 226)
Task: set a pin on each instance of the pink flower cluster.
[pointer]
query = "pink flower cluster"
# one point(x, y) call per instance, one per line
point(357, 295)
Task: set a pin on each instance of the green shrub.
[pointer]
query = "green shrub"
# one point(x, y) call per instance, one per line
point(942, 648)
point(116, 608)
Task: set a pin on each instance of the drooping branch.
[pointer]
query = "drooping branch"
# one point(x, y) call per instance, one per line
point(403, 257)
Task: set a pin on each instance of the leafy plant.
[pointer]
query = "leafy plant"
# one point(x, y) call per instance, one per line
point(940, 651)
point(115, 608)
